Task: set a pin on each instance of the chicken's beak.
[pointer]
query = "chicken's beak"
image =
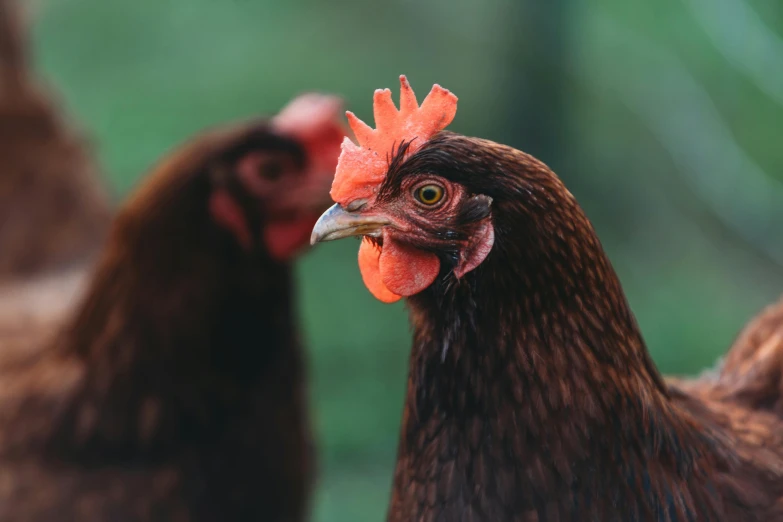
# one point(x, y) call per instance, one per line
point(337, 223)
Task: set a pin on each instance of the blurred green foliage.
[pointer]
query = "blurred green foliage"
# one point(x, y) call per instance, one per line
point(664, 118)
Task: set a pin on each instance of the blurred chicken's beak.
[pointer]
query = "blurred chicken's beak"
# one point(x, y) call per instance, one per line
point(337, 223)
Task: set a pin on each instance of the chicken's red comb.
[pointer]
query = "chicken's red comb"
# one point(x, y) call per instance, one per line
point(361, 168)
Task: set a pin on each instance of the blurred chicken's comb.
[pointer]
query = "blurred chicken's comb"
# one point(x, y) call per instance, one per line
point(361, 168)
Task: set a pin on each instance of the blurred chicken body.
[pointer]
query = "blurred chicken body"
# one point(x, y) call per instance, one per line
point(54, 210)
point(175, 391)
point(531, 395)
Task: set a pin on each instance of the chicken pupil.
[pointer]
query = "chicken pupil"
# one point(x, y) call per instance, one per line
point(272, 171)
point(430, 194)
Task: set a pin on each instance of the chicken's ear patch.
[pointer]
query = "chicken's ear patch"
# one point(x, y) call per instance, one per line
point(477, 250)
point(480, 243)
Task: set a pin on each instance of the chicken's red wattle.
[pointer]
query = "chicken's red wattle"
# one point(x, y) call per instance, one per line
point(396, 270)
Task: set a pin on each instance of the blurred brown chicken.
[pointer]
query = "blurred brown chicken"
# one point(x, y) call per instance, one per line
point(54, 211)
point(531, 394)
point(176, 391)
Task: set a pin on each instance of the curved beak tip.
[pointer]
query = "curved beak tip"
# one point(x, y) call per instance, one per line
point(337, 223)
point(315, 237)
point(324, 225)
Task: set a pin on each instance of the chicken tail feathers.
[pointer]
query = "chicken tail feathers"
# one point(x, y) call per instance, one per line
point(752, 372)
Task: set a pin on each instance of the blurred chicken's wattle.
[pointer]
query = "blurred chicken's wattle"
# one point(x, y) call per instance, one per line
point(286, 238)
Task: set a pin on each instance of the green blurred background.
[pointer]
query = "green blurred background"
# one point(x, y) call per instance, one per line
point(664, 117)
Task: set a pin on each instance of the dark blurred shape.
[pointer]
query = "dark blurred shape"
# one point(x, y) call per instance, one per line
point(536, 55)
point(54, 211)
point(176, 390)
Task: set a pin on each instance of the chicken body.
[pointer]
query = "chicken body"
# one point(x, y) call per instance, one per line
point(176, 391)
point(531, 395)
point(54, 209)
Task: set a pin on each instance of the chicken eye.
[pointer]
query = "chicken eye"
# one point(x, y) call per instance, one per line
point(272, 171)
point(429, 194)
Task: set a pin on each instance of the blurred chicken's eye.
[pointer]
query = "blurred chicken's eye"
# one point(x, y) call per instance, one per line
point(272, 170)
point(429, 194)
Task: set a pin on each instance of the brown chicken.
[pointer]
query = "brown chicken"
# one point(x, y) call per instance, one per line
point(54, 211)
point(176, 392)
point(531, 395)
